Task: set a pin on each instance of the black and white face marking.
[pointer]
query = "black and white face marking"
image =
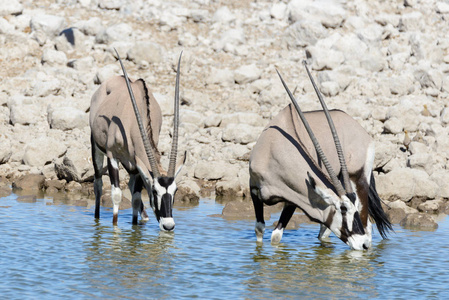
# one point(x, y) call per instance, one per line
point(347, 224)
point(164, 189)
point(344, 217)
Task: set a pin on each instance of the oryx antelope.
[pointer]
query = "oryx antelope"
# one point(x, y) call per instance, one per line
point(286, 166)
point(125, 121)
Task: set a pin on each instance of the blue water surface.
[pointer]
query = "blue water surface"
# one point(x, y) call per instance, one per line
point(50, 251)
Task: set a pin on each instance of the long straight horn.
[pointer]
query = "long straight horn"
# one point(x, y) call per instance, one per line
point(327, 165)
point(174, 145)
point(146, 142)
point(341, 157)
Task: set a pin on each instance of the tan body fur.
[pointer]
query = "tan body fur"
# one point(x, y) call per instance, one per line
point(284, 156)
point(114, 126)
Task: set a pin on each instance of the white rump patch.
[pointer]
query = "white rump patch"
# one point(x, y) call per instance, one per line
point(370, 155)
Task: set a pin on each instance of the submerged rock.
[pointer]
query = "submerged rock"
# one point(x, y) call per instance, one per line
point(419, 221)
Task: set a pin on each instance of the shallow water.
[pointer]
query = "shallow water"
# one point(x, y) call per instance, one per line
point(61, 251)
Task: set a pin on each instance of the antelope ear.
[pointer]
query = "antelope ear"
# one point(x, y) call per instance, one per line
point(180, 163)
point(319, 197)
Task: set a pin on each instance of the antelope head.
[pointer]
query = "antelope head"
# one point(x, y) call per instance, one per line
point(342, 203)
point(161, 185)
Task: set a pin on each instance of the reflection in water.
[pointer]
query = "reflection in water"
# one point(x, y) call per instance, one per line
point(127, 258)
point(75, 256)
point(313, 272)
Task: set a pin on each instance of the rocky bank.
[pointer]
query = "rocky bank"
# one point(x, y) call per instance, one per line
point(383, 62)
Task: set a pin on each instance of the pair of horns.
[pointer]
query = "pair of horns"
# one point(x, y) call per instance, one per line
point(146, 143)
point(333, 177)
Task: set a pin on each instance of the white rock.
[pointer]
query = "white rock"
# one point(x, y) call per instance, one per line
point(247, 73)
point(241, 133)
point(85, 3)
point(35, 157)
point(92, 26)
point(397, 61)
point(210, 170)
point(325, 58)
point(54, 57)
point(400, 85)
point(5, 26)
point(401, 204)
point(5, 149)
point(252, 119)
point(404, 184)
point(303, 33)
point(385, 152)
point(10, 7)
point(84, 64)
point(213, 120)
point(278, 10)
point(110, 4)
point(199, 15)
point(49, 24)
point(230, 39)
point(106, 72)
point(330, 88)
point(191, 116)
point(371, 34)
point(259, 85)
point(118, 32)
point(421, 161)
point(385, 18)
point(44, 88)
point(223, 77)
point(71, 39)
point(373, 61)
point(24, 114)
point(393, 125)
point(76, 164)
point(442, 7)
point(147, 51)
point(170, 20)
point(352, 47)
point(166, 104)
point(445, 115)
point(223, 15)
point(441, 178)
point(329, 13)
point(430, 206)
point(412, 21)
point(66, 118)
point(418, 148)
point(425, 48)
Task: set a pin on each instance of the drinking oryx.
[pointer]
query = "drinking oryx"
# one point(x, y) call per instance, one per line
point(129, 137)
point(286, 166)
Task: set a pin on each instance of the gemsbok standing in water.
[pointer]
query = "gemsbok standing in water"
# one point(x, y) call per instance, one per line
point(286, 166)
point(126, 136)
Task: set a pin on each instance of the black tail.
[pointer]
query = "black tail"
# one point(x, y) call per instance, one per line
point(376, 211)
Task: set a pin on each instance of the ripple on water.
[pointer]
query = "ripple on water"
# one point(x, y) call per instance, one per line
point(62, 251)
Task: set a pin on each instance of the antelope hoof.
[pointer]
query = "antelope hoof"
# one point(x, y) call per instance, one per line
point(276, 236)
point(260, 229)
point(144, 216)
